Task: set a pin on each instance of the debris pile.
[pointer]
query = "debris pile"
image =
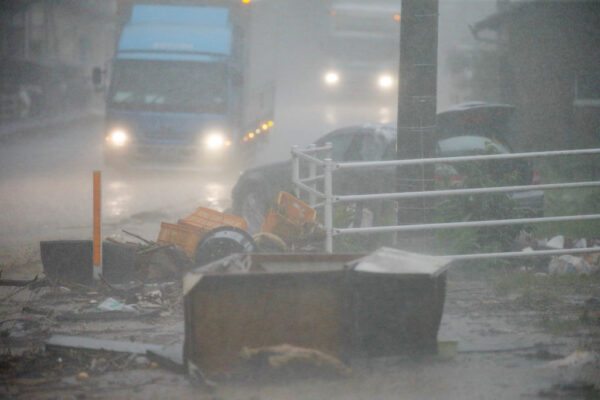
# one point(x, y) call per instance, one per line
point(585, 264)
point(293, 222)
point(207, 235)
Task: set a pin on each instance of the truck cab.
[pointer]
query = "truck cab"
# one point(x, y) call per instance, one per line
point(178, 88)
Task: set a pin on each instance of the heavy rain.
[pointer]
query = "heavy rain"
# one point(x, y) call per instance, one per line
point(292, 199)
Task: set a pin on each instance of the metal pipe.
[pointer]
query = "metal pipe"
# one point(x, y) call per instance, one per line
point(328, 205)
point(308, 158)
point(308, 189)
point(295, 169)
point(314, 149)
point(457, 192)
point(513, 254)
point(468, 224)
point(313, 179)
point(489, 157)
point(312, 172)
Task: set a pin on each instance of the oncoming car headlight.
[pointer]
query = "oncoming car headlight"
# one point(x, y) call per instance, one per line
point(331, 78)
point(385, 81)
point(118, 137)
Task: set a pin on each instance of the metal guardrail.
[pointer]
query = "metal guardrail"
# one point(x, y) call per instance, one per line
point(309, 184)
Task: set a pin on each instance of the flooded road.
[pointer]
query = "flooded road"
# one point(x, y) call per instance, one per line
point(46, 188)
point(46, 177)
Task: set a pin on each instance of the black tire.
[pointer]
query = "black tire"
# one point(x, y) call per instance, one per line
point(252, 205)
point(222, 242)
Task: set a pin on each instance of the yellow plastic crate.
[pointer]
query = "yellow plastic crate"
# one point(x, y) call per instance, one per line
point(207, 220)
point(184, 236)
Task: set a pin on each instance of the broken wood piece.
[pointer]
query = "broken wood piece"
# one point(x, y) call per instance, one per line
point(105, 315)
point(169, 357)
point(283, 356)
point(149, 242)
point(87, 343)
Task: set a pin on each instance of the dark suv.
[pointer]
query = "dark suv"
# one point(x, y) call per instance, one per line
point(257, 188)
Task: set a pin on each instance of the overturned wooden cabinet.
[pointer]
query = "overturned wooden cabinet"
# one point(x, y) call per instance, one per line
point(346, 305)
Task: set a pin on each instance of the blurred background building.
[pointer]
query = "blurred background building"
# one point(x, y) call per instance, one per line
point(48, 49)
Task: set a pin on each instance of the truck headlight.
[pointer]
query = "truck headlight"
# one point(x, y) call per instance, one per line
point(118, 137)
point(216, 140)
point(385, 81)
point(331, 78)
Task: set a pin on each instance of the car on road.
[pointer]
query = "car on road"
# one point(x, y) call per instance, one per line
point(257, 188)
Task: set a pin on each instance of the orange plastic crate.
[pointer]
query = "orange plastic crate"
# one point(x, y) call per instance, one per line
point(287, 219)
point(295, 209)
point(184, 236)
point(207, 220)
point(280, 225)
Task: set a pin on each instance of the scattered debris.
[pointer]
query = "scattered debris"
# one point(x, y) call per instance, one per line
point(82, 376)
point(557, 242)
point(294, 360)
point(21, 288)
point(169, 357)
point(71, 261)
point(567, 264)
point(293, 221)
point(578, 358)
point(33, 283)
point(86, 343)
point(111, 304)
point(189, 231)
point(270, 243)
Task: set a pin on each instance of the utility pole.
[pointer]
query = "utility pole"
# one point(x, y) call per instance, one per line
point(417, 98)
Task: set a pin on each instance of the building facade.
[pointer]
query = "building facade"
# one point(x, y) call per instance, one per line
point(48, 49)
point(549, 68)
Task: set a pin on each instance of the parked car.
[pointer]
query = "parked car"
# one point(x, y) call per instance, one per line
point(468, 128)
point(257, 188)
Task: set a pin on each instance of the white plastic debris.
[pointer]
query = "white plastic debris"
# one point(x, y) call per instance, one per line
point(566, 265)
point(577, 358)
point(557, 242)
point(111, 304)
point(580, 244)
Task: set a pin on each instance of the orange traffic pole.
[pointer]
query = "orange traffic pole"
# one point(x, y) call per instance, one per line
point(97, 271)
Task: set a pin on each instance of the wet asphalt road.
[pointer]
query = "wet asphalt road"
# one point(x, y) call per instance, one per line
point(46, 177)
point(46, 188)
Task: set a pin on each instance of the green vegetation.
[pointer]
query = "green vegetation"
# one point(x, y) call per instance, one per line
point(344, 216)
point(479, 208)
point(570, 201)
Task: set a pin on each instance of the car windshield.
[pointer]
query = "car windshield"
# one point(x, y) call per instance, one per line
point(197, 87)
point(463, 145)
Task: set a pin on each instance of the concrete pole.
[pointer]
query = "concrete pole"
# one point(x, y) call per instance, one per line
point(417, 98)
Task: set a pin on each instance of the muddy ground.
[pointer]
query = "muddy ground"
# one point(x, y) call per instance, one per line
point(520, 335)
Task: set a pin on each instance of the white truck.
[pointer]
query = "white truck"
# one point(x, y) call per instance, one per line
point(362, 47)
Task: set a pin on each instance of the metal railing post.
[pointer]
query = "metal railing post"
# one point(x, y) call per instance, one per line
point(329, 150)
point(295, 171)
point(312, 172)
point(328, 205)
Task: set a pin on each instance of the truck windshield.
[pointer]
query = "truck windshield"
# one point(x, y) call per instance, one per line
point(195, 87)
